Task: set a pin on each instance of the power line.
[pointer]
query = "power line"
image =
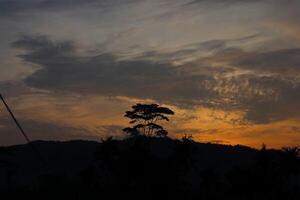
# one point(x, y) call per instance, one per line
point(15, 120)
point(20, 128)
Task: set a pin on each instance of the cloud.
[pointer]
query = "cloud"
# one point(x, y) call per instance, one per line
point(217, 4)
point(285, 19)
point(41, 130)
point(21, 8)
point(185, 53)
point(269, 99)
point(282, 62)
point(263, 98)
point(197, 50)
point(50, 131)
point(63, 70)
point(50, 116)
point(232, 56)
point(225, 1)
point(14, 88)
point(41, 47)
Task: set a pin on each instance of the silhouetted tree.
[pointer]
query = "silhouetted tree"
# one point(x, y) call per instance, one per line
point(293, 152)
point(290, 160)
point(6, 166)
point(184, 152)
point(145, 117)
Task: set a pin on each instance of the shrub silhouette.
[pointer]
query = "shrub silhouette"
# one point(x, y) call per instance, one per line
point(7, 167)
point(145, 118)
point(147, 168)
point(290, 161)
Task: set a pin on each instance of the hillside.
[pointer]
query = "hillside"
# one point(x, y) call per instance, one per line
point(72, 156)
point(140, 165)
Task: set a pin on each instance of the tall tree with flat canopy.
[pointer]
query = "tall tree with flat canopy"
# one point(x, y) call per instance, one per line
point(144, 118)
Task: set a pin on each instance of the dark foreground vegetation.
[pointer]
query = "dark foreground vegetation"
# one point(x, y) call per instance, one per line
point(148, 168)
point(147, 165)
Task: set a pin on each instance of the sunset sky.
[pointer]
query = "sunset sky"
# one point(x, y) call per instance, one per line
point(230, 69)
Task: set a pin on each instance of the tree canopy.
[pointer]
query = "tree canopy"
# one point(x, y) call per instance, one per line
point(144, 118)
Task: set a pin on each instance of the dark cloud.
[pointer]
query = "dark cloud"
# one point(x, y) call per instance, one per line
point(11, 135)
point(111, 130)
point(284, 61)
point(224, 2)
point(265, 98)
point(21, 7)
point(41, 47)
point(14, 88)
point(262, 98)
point(63, 70)
point(37, 42)
point(186, 51)
point(197, 49)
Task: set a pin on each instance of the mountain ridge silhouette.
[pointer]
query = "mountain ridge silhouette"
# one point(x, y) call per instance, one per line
point(74, 155)
point(148, 168)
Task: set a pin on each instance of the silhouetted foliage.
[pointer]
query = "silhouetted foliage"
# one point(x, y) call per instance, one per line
point(147, 168)
point(7, 167)
point(145, 118)
point(184, 152)
point(290, 161)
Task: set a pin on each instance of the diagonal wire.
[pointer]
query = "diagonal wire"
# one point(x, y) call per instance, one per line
point(21, 129)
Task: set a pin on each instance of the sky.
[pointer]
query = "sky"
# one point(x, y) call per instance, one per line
point(230, 69)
